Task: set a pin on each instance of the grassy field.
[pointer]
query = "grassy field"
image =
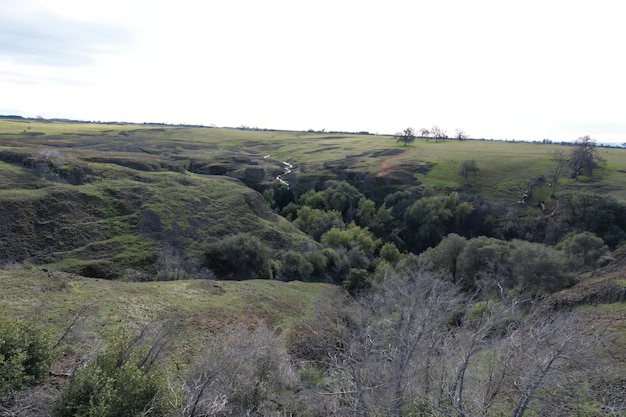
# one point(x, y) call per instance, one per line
point(97, 199)
point(192, 311)
point(504, 166)
point(118, 176)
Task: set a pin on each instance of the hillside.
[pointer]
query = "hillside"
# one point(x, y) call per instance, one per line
point(104, 200)
point(393, 285)
point(192, 311)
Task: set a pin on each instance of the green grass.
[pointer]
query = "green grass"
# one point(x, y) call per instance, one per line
point(193, 309)
point(129, 170)
point(504, 166)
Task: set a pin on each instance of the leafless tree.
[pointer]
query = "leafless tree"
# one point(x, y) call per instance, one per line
point(417, 343)
point(388, 347)
point(560, 162)
point(406, 136)
point(584, 157)
point(461, 135)
point(240, 375)
point(438, 133)
point(543, 349)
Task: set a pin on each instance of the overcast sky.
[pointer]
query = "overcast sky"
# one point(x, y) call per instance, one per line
point(524, 70)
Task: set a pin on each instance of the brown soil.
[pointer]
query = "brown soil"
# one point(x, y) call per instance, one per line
point(385, 166)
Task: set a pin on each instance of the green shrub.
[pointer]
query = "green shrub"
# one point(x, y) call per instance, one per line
point(352, 236)
point(357, 280)
point(318, 261)
point(583, 249)
point(295, 266)
point(390, 253)
point(241, 256)
point(121, 381)
point(538, 268)
point(26, 354)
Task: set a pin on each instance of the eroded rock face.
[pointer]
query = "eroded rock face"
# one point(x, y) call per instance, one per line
point(254, 174)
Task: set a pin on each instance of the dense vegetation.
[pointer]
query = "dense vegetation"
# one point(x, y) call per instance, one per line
point(467, 267)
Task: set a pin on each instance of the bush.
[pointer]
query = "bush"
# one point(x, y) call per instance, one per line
point(357, 280)
point(318, 261)
point(241, 256)
point(390, 253)
point(247, 374)
point(352, 236)
point(538, 268)
point(295, 266)
point(122, 381)
point(583, 249)
point(26, 354)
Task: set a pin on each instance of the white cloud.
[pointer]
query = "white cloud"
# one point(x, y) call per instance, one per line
point(528, 70)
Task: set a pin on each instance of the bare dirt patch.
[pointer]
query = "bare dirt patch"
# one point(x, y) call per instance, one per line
point(386, 168)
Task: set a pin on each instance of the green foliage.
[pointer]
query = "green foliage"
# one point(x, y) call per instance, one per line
point(467, 168)
point(484, 262)
point(491, 264)
point(121, 381)
point(390, 253)
point(378, 220)
point(336, 196)
point(268, 196)
point(312, 376)
point(599, 214)
point(357, 280)
point(240, 256)
point(318, 261)
point(426, 222)
point(583, 250)
point(26, 354)
point(352, 236)
point(295, 266)
point(538, 268)
point(445, 256)
point(315, 222)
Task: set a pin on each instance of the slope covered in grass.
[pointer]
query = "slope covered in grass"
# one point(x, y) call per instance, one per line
point(188, 311)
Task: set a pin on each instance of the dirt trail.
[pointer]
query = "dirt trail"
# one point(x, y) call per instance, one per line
point(385, 167)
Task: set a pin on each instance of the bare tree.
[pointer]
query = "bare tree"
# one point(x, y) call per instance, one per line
point(543, 349)
point(417, 344)
point(238, 376)
point(461, 135)
point(438, 133)
point(387, 345)
point(584, 157)
point(424, 133)
point(406, 136)
point(560, 162)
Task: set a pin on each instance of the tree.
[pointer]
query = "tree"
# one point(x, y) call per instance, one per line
point(466, 168)
point(584, 157)
point(244, 375)
point(461, 135)
point(438, 133)
point(406, 136)
point(560, 162)
point(425, 133)
point(240, 256)
point(445, 256)
point(426, 222)
point(583, 249)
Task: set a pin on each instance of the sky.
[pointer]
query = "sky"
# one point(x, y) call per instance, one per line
point(497, 69)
